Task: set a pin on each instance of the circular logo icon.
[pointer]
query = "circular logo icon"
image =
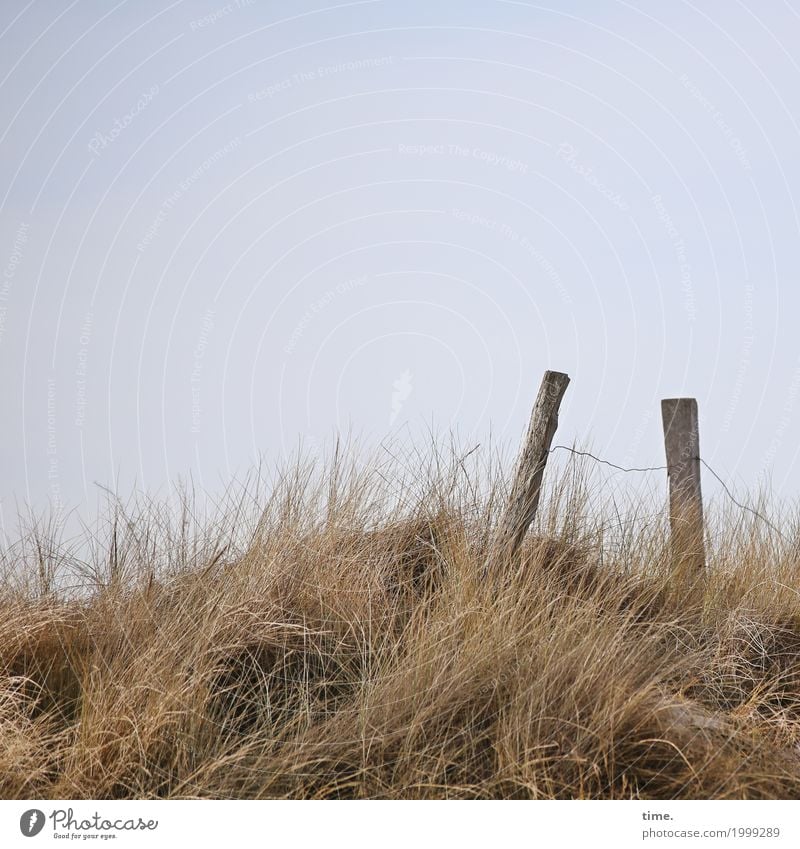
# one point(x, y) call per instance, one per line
point(31, 822)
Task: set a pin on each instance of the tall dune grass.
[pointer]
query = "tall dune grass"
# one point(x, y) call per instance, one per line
point(336, 635)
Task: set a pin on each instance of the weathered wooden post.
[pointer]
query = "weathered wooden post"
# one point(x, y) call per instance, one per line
point(682, 444)
point(527, 484)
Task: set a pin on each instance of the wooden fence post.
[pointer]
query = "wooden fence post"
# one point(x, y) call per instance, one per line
point(682, 444)
point(527, 484)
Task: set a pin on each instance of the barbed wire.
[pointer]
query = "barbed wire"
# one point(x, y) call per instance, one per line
point(725, 488)
point(738, 503)
point(607, 462)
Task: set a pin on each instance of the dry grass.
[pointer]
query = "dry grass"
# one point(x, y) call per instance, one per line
point(339, 639)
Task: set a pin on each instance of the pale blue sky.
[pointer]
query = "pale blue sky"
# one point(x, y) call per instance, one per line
point(227, 227)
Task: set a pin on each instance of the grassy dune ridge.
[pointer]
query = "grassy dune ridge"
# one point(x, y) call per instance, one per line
point(336, 636)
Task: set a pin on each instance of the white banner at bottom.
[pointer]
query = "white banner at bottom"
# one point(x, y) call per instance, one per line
point(350, 825)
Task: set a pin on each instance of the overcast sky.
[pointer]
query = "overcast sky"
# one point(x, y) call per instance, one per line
point(226, 228)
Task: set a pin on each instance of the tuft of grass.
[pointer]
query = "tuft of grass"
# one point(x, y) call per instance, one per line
point(334, 635)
